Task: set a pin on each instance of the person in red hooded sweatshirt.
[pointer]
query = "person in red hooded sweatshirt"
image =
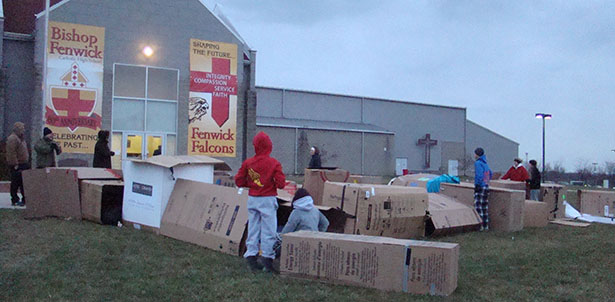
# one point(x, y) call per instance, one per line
point(263, 175)
point(517, 172)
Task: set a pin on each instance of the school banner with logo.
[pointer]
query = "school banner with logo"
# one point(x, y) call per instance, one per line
point(73, 102)
point(213, 99)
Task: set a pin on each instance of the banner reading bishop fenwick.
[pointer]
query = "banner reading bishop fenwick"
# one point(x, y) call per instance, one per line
point(73, 102)
point(213, 98)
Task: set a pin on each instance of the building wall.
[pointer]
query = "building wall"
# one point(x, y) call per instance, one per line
point(167, 26)
point(499, 150)
point(353, 151)
point(409, 121)
point(18, 83)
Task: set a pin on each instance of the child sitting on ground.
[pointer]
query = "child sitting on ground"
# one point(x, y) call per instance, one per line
point(304, 215)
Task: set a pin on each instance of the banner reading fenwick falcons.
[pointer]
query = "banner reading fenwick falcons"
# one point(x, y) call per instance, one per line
point(73, 102)
point(213, 98)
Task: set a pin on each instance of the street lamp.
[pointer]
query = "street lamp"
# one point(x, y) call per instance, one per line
point(543, 116)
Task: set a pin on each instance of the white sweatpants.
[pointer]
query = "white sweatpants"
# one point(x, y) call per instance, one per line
point(262, 225)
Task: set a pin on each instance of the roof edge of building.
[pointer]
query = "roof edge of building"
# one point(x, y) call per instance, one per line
point(491, 131)
point(363, 97)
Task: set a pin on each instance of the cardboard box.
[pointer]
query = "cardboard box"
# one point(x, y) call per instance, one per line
point(553, 195)
point(208, 215)
point(413, 180)
point(418, 267)
point(447, 216)
point(596, 203)
point(366, 179)
point(536, 214)
point(55, 191)
point(315, 179)
point(507, 184)
point(379, 210)
point(149, 183)
point(505, 206)
point(337, 218)
point(101, 201)
point(224, 178)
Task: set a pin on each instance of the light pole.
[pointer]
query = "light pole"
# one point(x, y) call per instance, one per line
point(543, 116)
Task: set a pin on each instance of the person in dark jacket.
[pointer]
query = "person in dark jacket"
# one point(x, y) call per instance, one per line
point(482, 176)
point(46, 150)
point(263, 175)
point(102, 153)
point(315, 160)
point(304, 215)
point(534, 181)
point(17, 160)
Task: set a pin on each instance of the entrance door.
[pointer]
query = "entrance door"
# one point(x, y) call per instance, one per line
point(138, 145)
point(401, 164)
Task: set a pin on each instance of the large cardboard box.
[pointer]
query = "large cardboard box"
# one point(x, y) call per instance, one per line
point(596, 203)
point(314, 180)
point(101, 201)
point(366, 179)
point(149, 183)
point(418, 267)
point(413, 180)
point(536, 214)
point(55, 191)
point(505, 206)
point(553, 195)
point(379, 210)
point(208, 215)
point(507, 184)
point(447, 216)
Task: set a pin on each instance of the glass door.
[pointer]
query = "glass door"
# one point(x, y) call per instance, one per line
point(133, 146)
point(155, 145)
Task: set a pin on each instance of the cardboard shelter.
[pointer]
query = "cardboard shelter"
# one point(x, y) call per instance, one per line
point(536, 214)
point(314, 180)
point(447, 216)
point(101, 201)
point(596, 203)
point(149, 183)
point(507, 184)
point(366, 179)
point(379, 210)
point(207, 215)
point(56, 191)
point(505, 206)
point(554, 195)
point(413, 180)
point(389, 264)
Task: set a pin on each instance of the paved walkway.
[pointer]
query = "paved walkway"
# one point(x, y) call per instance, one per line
point(5, 202)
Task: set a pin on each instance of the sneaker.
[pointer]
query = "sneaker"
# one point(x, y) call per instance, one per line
point(268, 263)
point(253, 264)
point(20, 204)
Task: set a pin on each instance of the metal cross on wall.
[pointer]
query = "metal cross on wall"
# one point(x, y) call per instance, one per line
point(428, 142)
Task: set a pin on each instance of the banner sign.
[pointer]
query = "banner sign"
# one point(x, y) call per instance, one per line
point(213, 99)
point(73, 102)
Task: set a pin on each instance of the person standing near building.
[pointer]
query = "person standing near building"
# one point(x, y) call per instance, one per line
point(315, 160)
point(17, 158)
point(46, 150)
point(102, 153)
point(482, 176)
point(517, 172)
point(534, 181)
point(263, 175)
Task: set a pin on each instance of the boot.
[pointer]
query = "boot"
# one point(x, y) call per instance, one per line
point(253, 264)
point(268, 263)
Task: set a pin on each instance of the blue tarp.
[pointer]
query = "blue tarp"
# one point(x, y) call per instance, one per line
point(433, 186)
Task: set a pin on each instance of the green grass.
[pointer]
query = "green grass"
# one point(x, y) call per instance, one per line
point(59, 260)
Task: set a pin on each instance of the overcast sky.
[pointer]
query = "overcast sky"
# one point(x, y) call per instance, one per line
point(502, 60)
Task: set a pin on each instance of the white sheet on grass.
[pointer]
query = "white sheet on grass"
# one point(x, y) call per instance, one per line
point(571, 212)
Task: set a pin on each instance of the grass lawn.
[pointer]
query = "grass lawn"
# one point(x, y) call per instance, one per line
point(59, 260)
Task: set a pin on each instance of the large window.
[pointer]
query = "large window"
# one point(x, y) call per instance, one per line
point(144, 105)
